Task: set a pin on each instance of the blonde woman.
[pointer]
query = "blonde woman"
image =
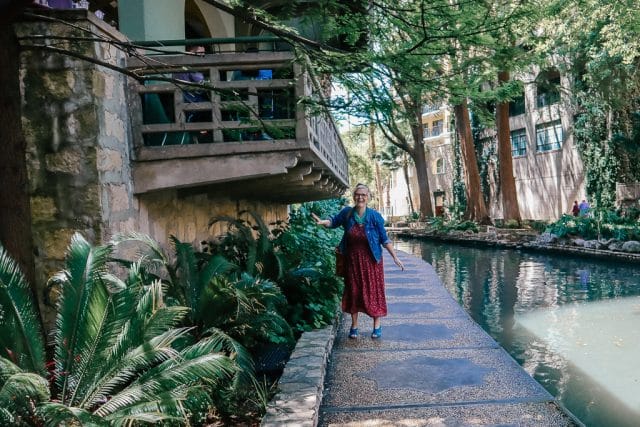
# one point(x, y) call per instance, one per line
point(364, 236)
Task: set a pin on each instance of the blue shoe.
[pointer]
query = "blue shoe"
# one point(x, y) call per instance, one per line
point(377, 333)
point(353, 333)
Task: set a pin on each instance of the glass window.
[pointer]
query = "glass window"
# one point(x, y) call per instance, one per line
point(425, 131)
point(548, 88)
point(516, 106)
point(519, 142)
point(437, 128)
point(439, 166)
point(549, 136)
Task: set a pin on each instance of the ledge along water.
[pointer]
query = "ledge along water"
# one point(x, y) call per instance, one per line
point(433, 366)
point(570, 321)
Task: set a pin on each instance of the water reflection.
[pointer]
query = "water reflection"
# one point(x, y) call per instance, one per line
point(497, 287)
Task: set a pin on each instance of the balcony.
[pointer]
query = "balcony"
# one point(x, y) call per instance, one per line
point(241, 131)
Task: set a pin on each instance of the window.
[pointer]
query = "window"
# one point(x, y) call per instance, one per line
point(437, 127)
point(425, 130)
point(516, 107)
point(548, 87)
point(519, 142)
point(549, 136)
point(439, 166)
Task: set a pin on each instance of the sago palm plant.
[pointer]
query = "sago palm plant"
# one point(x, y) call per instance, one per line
point(120, 356)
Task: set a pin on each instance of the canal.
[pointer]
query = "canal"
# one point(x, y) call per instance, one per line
point(572, 323)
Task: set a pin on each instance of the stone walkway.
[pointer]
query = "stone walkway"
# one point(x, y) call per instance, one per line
point(433, 366)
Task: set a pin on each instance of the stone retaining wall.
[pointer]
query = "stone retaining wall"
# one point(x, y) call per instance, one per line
point(302, 382)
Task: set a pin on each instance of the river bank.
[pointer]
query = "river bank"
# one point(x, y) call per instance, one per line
point(529, 240)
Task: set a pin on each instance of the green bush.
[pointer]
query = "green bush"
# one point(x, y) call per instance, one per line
point(310, 285)
point(440, 225)
point(603, 224)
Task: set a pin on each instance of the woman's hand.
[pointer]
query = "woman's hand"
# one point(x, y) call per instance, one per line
point(398, 263)
point(323, 222)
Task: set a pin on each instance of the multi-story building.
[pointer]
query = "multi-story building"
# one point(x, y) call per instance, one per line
point(436, 120)
point(547, 166)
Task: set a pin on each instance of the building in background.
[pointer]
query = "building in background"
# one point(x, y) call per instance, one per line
point(547, 167)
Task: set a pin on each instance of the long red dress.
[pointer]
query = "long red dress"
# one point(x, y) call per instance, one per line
point(364, 281)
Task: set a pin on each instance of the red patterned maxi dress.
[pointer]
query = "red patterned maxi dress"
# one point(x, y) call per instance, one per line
point(364, 281)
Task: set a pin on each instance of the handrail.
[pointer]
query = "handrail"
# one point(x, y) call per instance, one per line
point(208, 41)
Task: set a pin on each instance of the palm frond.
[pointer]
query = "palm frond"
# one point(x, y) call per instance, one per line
point(7, 369)
point(217, 265)
point(154, 253)
point(170, 375)
point(186, 273)
point(56, 414)
point(218, 341)
point(132, 364)
point(23, 391)
point(172, 405)
point(247, 237)
point(21, 338)
point(82, 312)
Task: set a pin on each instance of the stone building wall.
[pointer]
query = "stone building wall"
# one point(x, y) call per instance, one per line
point(187, 216)
point(74, 116)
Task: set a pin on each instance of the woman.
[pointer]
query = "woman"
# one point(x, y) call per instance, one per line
point(364, 234)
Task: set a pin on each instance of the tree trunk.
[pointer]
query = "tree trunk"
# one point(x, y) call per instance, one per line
point(376, 165)
point(15, 207)
point(420, 161)
point(510, 209)
point(476, 208)
point(405, 172)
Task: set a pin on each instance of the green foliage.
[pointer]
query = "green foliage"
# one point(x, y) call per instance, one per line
point(512, 223)
point(219, 293)
point(413, 217)
point(441, 225)
point(311, 286)
point(599, 224)
point(120, 355)
point(20, 329)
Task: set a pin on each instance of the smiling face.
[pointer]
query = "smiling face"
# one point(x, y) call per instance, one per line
point(361, 196)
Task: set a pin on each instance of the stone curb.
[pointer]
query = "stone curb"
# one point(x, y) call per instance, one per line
point(302, 382)
point(530, 246)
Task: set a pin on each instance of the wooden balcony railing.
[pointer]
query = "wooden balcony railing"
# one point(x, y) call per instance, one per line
point(246, 105)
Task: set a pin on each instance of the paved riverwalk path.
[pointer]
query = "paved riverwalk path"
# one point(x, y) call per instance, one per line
point(433, 366)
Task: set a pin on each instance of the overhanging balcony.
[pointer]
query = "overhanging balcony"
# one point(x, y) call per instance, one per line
point(242, 131)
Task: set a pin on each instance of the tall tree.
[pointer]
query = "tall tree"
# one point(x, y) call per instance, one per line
point(15, 205)
point(508, 192)
point(476, 208)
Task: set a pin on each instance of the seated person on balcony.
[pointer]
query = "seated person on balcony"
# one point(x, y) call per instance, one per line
point(252, 74)
point(194, 95)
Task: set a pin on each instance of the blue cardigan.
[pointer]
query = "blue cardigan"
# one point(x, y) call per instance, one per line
point(373, 227)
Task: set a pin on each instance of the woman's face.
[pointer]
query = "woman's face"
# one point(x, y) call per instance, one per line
point(361, 196)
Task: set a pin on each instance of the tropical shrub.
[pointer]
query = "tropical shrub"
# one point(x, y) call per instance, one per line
point(218, 292)
point(298, 257)
point(599, 224)
point(312, 289)
point(441, 225)
point(120, 353)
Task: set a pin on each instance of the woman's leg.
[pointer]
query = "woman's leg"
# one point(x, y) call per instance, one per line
point(376, 322)
point(354, 320)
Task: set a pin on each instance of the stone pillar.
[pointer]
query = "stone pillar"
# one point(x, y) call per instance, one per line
point(76, 124)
